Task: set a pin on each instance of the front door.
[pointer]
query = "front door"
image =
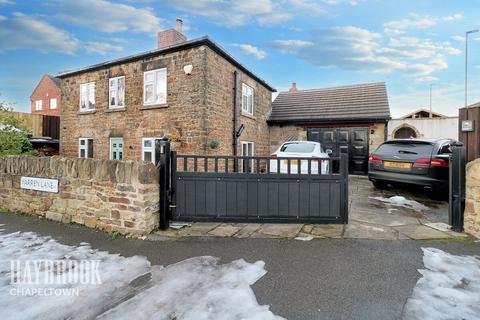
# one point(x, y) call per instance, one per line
point(353, 141)
point(116, 148)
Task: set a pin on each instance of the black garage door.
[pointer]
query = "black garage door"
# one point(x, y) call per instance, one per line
point(354, 141)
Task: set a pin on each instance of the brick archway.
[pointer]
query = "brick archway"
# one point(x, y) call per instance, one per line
point(403, 129)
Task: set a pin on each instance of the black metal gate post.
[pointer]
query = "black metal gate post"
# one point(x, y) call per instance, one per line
point(456, 200)
point(162, 154)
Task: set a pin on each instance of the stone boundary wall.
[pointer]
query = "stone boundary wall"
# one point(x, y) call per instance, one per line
point(120, 196)
point(472, 201)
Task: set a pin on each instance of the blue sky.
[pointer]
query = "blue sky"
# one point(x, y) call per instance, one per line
point(408, 44)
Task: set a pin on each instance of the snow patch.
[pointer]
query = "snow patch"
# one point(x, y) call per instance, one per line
point(449, 288)
point(305, 238)
point(402, 202)
point(196, 288)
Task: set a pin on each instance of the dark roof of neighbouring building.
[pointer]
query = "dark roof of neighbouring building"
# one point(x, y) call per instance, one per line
point(177, 47)
point(55, 80)
point(360, 102)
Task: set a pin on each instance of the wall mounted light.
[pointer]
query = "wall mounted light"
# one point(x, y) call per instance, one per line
point(188, 70)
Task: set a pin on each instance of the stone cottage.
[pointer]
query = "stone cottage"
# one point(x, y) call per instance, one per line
point(192, 91)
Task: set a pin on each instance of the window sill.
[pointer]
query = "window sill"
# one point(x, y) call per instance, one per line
point(248, 115)
point(116, 109)
point(153, 106)
point(87, 112)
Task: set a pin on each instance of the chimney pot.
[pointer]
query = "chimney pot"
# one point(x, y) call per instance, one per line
point(179, 25)
point(293, 87)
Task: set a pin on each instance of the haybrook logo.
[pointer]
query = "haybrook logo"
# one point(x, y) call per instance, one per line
point(52, 277)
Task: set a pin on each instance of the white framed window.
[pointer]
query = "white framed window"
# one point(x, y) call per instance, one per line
point(116, 148)
point(148, 149)
point(155, 87)
point(247, 99)
point(116, 93)
point(85, 148)
point(248, 150)
point(87, 96)
point(53, 103)
point(38, 105)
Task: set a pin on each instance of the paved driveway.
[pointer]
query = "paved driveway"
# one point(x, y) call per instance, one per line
point(394, 213)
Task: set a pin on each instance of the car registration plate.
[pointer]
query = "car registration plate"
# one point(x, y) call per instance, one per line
point(292, 162)
point(394, 164)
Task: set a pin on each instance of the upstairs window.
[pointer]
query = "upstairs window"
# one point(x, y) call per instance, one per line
point(155, 87)
point(87, 96)
point(38, 105)
point(247, 99)
point(85, 148)
point(116, 96)
point(53, 103)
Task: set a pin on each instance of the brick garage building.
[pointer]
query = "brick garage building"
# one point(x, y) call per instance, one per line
point(46, 97)
point(352, 118)
point(113, 110)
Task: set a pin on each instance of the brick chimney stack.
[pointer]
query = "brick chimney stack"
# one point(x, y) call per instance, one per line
point(293, 87)
point(170, 37)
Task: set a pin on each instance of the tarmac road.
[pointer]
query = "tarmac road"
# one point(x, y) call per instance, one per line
point(318, 279)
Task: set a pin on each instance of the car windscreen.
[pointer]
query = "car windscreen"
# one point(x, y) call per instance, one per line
point(298, 147)
point(413, 148)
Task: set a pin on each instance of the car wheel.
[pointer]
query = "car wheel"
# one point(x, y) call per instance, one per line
point(379, 185)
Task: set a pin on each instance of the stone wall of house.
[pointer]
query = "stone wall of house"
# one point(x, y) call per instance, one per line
point(109, 195)
point(280, 134)
point(220, 88)
point(472, 201)
point(183, 113)
point(377, 135)
point(198, 108)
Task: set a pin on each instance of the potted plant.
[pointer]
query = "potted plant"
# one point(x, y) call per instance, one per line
point(213, 144)
point(175, 142)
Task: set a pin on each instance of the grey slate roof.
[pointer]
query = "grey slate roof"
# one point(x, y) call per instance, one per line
point(205, 40)
point(360, 102)
point(55, 80)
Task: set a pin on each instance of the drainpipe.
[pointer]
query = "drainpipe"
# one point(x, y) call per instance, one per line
point(234, 120)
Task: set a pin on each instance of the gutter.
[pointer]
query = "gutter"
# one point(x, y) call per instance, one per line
point(234, 118)
point(327, 120)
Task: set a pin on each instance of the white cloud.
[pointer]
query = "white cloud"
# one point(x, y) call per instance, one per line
point(106, 16)
point(101, 48)
point(352, 48)
point(399, 26)
point(427, 79)
point(453, 17)
point(27, 32)
point(459, 38)
point(251, 50)
point(2, 2)
point(235, 13)
point(307, 5)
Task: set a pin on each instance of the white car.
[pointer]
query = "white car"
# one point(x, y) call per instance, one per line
point(300, 149)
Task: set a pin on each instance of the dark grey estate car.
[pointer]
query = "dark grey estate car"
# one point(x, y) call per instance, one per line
point(411, 161)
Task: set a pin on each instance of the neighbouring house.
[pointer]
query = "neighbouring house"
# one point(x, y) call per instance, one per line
point(192, 91)
point(46, 97)
point(423, 124)
point(349, 119)
point(469, 129)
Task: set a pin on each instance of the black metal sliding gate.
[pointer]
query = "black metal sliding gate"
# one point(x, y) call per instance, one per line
point(256, 189)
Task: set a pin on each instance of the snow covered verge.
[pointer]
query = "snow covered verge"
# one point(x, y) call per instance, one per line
point(449, 288)
point(126, 288)
point(402, 202)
